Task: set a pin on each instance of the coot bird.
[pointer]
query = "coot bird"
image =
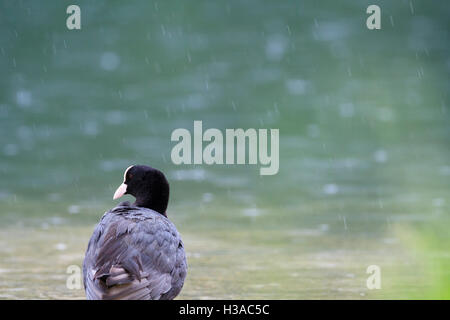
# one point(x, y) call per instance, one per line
point(135, 252)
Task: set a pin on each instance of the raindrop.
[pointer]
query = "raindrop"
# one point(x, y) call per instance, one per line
point(157, 67)
point(288, 29)
point(380, 204)
point(392, 20)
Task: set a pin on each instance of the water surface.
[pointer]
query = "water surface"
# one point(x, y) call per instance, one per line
point(364, 141)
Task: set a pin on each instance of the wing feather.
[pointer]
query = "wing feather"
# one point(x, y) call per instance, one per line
point(134, 254)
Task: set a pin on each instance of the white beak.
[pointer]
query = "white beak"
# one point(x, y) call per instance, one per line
point(120, 191)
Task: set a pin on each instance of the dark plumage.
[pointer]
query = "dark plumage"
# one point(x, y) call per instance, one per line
point(135, 252)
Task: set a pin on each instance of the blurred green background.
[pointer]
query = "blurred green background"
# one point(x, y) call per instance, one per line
point(364, 125)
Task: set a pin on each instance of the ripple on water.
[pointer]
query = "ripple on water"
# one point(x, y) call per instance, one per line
point(24, 98)
point(380, 156)
point(252, 212)
point(444, 170)
point(207, 197)
point(113, 164)
point(10, 150)
point(230, 181)
point(54, 197)
point(73, 209)
point(330, 189)
point(298, 86)
point(331, 31)
point(189, 174)
point(60, 246)
point(91, 128)
point(438, 202)
point(109, 61)
point(115, 117)
point(346, 110)
point(276, 46)
point(308, 232)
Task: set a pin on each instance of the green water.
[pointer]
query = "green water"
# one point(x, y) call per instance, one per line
point(364, 126)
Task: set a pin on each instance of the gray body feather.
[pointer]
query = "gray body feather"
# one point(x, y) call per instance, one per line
point(134, 254)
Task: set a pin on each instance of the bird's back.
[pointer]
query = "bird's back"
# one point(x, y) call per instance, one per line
point(134, 253)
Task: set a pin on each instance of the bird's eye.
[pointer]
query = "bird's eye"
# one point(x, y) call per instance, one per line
point(130, 176)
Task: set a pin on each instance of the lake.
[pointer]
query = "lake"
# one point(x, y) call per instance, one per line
point(364, 135)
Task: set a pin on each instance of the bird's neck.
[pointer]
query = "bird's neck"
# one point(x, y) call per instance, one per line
point(156, 203)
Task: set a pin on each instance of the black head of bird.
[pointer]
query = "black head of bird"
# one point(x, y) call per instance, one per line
point(148, 185)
